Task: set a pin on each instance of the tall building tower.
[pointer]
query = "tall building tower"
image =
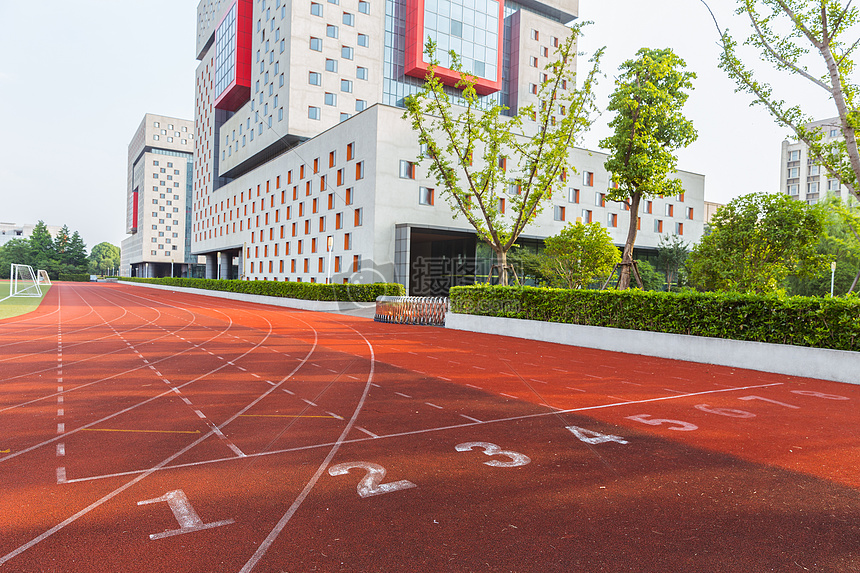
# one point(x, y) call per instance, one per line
point(158, 214)
point(304, 169)
point(801, 176)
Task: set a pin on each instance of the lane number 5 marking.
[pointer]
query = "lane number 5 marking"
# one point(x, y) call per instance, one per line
point(516, 458)
point(370, 483)
point(679, 426)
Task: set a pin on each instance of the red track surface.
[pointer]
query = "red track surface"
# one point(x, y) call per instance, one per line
point(151, 431)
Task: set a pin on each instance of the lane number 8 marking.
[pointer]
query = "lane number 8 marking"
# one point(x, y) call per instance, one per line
point(820, 395)
point(370, 483)
point(517, 459)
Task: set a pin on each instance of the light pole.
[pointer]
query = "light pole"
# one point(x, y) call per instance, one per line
point(171, 268)
point(330, 248)
point(832, 277)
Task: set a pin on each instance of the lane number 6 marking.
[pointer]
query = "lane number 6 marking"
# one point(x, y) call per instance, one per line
point(516, 458)
point(370, 483)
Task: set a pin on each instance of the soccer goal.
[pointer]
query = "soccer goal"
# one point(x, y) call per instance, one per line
point(43, 277)
point(23, 281)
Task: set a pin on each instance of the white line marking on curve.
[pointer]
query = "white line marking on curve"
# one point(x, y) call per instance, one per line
point(434, 406)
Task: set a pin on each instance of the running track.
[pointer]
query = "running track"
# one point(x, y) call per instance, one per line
point(152, 431)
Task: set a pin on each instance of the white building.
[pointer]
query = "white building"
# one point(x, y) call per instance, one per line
point(803, 178)
point(301, 142)
point(158, 211)
point(9, 231)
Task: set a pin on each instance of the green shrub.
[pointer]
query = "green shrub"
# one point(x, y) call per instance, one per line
point(800, 321)
point(302, 291)
point(74, 277)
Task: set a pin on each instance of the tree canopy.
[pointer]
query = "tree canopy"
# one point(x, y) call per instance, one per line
point(787, 34)
point(756, 242)
point(498, 171)
point(649, 127)
point(578, 255)
point(64, 253)
point(104, 259)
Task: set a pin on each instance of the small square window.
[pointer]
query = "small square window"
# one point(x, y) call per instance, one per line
point(363, 40)
point(361, 73)
point(316, 9)
point(364, 7)
point(360, 104)
point(316, 46)
point(315, 78)
point(348, 19)
point(559, 213)
point(330, 99)
point(346, 52)
point(346, 86)
point(313, 112)
point(331, 31)
point(425, 196)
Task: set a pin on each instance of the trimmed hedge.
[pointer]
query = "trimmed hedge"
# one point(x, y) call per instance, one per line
point(302, 291)
point(800, 321)
point(78, 277)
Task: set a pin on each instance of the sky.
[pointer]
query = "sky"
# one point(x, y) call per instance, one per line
point(77, 77)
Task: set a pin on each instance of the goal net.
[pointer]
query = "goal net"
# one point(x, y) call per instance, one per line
point(43, 277)
point(23, 281)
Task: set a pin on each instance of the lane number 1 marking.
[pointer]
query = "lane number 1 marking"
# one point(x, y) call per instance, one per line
point(188, 519)
point(370, 483)
point(517, 459)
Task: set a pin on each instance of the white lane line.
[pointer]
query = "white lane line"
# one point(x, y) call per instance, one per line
point(368, 432)
point(425, 431)
point(59, 388)
point(184, 399)
point(675, 391)
point(59, 399)
point(572, 388)
point(333, 415)
point(560, 370)
point(432, 357)
point(478, 367)
point(330, 370)
point(536, 380)
point(443, 378)
point(61, 428)
point(353, 377)
point(288, 392)
point(471, 418)
point(473, 386)
point(242, 369)
point(255, 375)
point(308, 402)
point(375, 385)
point(61, 475)
point(508, 395)
point(270, 382)
point(61, 450)
point(200, 414)
point(402, 394)
point(60, 411)
point(632, 383)
point(434, 405)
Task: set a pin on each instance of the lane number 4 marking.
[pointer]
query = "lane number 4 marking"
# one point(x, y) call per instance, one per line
point(592, 437)
point(188, 519)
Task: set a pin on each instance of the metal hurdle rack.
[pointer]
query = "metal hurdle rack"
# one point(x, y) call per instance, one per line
point(423, 310)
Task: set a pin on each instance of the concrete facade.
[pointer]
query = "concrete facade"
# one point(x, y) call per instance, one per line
point(800, 176)
point(9, 231)
point(314, 156)
point(160, 169)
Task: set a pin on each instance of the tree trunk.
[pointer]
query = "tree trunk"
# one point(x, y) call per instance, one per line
point(502, 262)
point(627, 255)
point(854, 284)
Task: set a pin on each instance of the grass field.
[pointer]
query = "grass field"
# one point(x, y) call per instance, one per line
point(18, 305)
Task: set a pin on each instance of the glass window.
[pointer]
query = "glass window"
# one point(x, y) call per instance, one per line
point(313, 112)
point(793, 172)
point(316, 46)
point(407, 169)
point(348, 19)
point(331, 65)
point(344, 116)
point(330, 99)
point(360, 104)
point(364, 7)
point(331, 31)
point(361, 73)
point(316, 9)
point(346, 86)
point(346, 52)
point(315, 78)
point(425, 196)
point(794, 155)
point(363, 40)
point(156, 124)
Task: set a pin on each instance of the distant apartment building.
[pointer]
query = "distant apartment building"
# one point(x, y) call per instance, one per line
point(9, 231)
point(801, 176)
point(158, 213)
point(304, 169)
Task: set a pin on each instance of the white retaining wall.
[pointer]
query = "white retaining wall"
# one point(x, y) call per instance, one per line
point(822, 363)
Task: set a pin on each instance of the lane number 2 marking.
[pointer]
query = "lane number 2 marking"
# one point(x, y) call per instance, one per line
point(592, 437)
point(516, 458)
point(188, 519)
point(678, 425)
point(370, 484)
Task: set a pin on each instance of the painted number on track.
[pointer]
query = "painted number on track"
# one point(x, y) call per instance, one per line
point(815, 394)
point(677, 425)
point(730, 412)
point(188, 519)
point(370, 483)
point(516, 459)
point(592, 437)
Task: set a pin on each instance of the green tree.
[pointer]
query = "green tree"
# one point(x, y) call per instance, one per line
point(649, 127)
point(785, 33)
point(840, 243)
point(77, 253)
point(652, 279)
point(480, 157)
point(672, 252)
point(104, 258)
point(756, 241)
point(578, 255)
point(16, 251)
point(42, 253)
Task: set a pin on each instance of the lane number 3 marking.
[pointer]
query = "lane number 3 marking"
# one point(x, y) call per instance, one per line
point(516, 458)
point(370, 484)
